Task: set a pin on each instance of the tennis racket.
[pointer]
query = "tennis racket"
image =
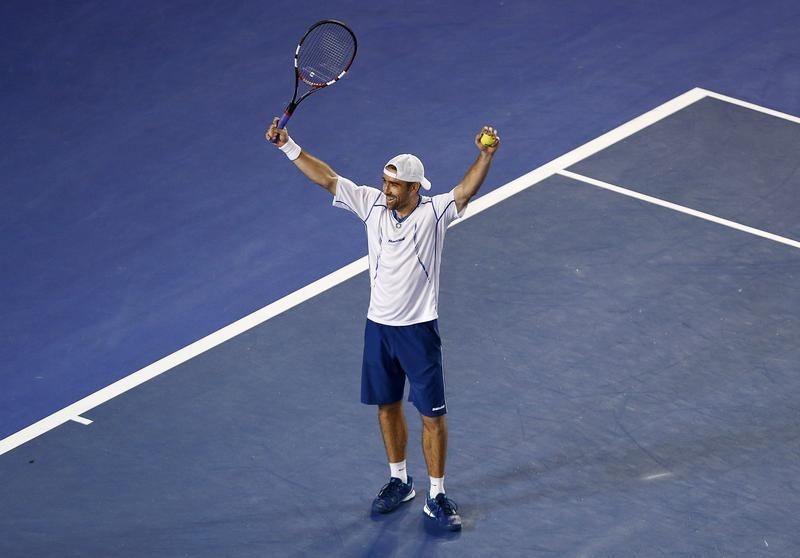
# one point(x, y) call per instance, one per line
point(322, 58)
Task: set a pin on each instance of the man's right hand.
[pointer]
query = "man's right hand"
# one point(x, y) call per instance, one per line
point(282, 134)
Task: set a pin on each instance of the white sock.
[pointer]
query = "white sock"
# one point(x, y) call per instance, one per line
point(398, 470)
point(437, 487)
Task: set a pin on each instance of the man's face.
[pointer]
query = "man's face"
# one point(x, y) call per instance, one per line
point(400, 195)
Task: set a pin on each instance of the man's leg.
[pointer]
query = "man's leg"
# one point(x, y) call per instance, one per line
point(400, 487)
point(434, 444)
point(394, 431)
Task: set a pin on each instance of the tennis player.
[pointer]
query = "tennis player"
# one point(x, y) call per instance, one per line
point(405, 234)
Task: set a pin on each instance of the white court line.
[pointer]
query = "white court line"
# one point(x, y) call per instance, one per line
point(476, 206)
point(82, 420)
point(157, 368)
point(586, 150)
point(751, 106)
point(680, 208)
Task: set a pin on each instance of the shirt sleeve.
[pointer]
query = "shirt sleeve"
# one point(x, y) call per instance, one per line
point(356, 199)
point(444, 205)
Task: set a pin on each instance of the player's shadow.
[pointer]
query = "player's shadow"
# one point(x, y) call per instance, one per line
point(435, 533)
point(389, 519)
point(386, 540)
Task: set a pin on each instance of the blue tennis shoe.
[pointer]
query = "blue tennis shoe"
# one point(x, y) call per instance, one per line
point(393, 493)
point(444, 512)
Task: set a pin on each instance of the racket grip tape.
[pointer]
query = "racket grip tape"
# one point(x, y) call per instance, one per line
point(284, 119)
point(287, 114)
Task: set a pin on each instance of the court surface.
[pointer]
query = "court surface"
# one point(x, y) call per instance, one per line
point(182, 313)
point(622, 382)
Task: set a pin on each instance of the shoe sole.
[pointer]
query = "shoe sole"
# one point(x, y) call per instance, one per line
point(410, 496)
point(456, 527)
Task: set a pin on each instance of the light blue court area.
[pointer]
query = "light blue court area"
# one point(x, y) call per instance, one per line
point(622, 380)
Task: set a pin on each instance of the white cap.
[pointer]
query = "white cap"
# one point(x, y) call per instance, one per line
point(409, 169)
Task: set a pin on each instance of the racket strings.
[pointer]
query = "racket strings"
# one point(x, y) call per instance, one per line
point(326, 52)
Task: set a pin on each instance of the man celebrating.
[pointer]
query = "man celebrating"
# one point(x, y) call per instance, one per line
point(405, 234)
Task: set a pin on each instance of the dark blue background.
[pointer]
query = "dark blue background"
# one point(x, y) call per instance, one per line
point(141, 208)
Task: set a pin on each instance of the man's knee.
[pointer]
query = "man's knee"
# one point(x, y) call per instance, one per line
point(391, 410)
point(434, 424)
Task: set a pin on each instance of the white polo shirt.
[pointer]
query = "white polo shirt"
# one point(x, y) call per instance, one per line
point(404, 255)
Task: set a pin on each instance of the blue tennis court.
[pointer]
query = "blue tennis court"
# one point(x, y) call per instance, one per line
point(184, 313)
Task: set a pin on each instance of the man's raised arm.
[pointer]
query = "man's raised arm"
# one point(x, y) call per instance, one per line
point(319, 172)
point(476, 173)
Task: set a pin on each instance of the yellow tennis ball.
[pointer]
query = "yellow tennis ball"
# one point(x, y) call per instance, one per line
point(488, 140)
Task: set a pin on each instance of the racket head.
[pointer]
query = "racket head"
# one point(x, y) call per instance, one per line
point(325, 53)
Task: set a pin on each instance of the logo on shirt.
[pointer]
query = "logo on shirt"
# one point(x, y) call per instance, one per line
point(394, 241)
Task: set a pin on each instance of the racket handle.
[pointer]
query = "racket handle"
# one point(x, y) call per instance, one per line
point(284, 119)
point(281, 125)
point(287, 114)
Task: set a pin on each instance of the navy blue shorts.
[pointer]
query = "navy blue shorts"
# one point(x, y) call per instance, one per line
point(392, 353)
